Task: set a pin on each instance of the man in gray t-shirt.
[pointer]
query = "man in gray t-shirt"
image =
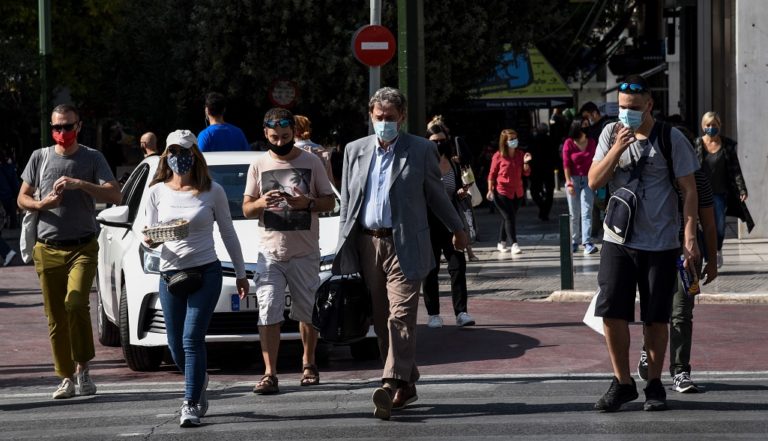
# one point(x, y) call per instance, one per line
point(71, 178)
point(646, 262)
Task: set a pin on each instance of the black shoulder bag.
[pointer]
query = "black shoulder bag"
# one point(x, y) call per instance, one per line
point(342, 309)
point(622, 205)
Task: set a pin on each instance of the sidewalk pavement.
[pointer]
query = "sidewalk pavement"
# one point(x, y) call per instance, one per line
point(535, 274)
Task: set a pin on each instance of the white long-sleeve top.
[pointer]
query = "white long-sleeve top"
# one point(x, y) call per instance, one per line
point(201, 210)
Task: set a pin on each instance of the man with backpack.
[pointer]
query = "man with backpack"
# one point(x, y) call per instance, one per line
point(642, 252)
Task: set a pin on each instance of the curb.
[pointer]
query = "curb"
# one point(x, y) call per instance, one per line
point(721, 299)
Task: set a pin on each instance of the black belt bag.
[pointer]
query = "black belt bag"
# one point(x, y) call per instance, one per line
point(186, 281)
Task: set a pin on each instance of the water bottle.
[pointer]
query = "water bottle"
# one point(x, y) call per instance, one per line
point(690, 286)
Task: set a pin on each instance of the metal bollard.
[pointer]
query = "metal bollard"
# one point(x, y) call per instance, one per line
point(566, 253)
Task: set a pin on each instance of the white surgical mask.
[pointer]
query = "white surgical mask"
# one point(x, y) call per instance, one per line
point(512, 143)
point(385, 130)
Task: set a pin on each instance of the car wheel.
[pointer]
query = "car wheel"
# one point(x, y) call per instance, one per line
point(365, 349)
point(138, 358)
point(109, 334)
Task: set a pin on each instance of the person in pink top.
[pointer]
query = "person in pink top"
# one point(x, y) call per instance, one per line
point(505, 185)
point(578, 151)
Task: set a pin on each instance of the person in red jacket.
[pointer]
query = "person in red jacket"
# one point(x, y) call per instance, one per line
point(505, 185)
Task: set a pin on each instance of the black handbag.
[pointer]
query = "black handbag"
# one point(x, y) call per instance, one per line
point(184, 282)
point(342, 311)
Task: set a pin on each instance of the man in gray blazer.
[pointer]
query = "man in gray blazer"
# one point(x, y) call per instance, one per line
point(388, 181)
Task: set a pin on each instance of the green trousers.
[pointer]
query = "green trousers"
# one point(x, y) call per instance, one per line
point(66, 276)
point(680, 331)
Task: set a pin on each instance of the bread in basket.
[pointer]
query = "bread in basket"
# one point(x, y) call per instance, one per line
point(174, 229)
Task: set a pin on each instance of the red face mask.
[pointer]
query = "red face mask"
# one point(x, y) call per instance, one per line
point(65, 139)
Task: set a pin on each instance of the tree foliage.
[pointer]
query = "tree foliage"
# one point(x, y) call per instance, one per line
point(149, 63)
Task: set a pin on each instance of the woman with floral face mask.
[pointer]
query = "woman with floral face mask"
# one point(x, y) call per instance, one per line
point(182, 188)
point(505, 185)
point(719, 160)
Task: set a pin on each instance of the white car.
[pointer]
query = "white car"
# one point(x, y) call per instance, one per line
point(129, 312)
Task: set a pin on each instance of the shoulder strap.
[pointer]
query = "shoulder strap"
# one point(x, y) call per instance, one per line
point(666, 147)
point(45, 153)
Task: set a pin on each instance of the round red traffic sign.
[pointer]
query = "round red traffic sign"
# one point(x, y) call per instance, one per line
point(373, 45)
point(283, 93)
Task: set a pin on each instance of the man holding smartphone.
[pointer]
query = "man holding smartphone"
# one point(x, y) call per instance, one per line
point(285, 189)
point(647, 259)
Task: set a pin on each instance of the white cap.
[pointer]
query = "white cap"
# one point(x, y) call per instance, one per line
point(183, 138)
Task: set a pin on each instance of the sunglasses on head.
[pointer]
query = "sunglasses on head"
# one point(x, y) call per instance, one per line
point(278, 123)
point(64, 127)
point(631, 88)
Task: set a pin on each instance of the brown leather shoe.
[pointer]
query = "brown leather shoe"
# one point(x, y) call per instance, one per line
point(382, 402)
point(404, 396)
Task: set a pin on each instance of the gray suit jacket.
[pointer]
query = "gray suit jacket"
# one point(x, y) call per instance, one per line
point(415, 184)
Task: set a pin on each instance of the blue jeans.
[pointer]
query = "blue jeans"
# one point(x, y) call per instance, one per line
point(186, 323)
point(720, 206)
point(580, 209)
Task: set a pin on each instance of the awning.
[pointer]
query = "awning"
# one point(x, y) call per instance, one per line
point(523, 80)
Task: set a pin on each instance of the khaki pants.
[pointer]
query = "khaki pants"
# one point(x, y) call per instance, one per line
point(66, 276)
point(395, 302)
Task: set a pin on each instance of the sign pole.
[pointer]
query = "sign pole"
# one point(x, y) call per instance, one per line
point(44, 18)
point(374, 73)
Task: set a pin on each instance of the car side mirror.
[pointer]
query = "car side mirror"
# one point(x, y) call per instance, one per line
point(114, 217)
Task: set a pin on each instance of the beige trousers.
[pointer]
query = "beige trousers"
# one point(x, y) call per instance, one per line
point(395, 302)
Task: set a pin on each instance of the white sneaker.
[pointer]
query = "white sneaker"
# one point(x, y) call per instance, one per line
point(516, 249)
point(719, 259)
point(435, 321)
point(202, 406)
point(9, 257)
point(66, 389)
point(84, 383)
point(464, 319)
point(189, 415)
point(502, 247)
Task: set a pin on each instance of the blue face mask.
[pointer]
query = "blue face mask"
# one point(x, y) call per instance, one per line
point(711, 131)
point(512, 143)
point(631, 118)
point(181, 164)
point(385, 130)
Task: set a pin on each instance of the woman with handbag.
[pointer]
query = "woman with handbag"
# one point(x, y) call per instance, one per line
point(578, 150)
point(441, 239)
point(461, 154)
point(719, 160)
point(191, 275)
point(505, 186)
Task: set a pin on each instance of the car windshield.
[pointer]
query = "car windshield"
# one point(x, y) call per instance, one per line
point(232, 177)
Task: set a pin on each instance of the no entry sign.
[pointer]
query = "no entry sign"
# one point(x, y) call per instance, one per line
point(373, 45)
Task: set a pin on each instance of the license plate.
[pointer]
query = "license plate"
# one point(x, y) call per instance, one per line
point(248, 303)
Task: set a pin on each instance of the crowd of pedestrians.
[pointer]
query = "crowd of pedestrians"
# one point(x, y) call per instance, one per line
point(405, 204)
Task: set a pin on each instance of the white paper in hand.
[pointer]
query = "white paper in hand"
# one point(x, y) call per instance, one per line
point(595, 323)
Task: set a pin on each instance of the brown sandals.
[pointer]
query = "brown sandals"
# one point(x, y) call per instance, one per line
point(266, 386)
point(312, 378)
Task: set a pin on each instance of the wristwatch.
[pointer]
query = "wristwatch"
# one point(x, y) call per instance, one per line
point(311, 204)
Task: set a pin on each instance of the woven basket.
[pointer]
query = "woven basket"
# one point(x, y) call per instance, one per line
point(174, 229)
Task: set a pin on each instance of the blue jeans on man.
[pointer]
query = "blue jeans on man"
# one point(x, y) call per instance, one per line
point(186, 322)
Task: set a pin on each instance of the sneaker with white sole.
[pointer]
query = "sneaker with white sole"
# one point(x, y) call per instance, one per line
point(719, 259)
point(435, 321)
point(642, 365)
point(85, 385)
point(501, 246)
point(190, 415)
point(202, 406)
point(464, 319)
point(65, 390)
point(684, 384)
point(590, 248)
point(9, 257)
point(516, 249)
